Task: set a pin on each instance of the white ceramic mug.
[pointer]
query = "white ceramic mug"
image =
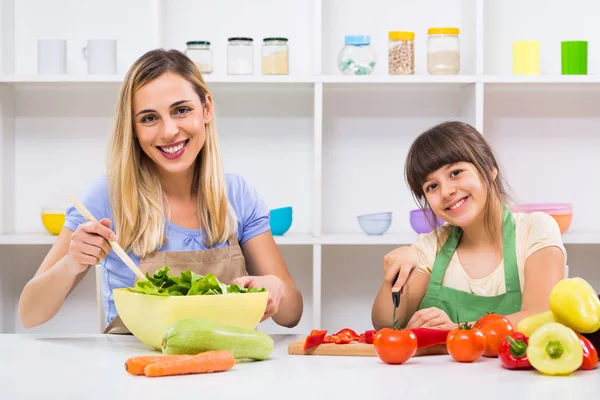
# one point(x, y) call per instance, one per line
point(52, 56)
point(101, 56)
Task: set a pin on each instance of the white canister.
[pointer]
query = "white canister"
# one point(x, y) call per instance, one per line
point(101, 56)
point(52, 56)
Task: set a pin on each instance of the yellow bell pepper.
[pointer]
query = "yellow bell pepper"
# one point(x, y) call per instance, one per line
point(554, 349)
point(575, 303)
point(530, 324)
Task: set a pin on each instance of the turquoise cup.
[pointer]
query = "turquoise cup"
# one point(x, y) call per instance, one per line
point(574, 57)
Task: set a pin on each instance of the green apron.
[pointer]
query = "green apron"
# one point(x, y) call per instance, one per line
point(461, 306)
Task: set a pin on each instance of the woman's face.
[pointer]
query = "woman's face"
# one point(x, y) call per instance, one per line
point(169, 121)
point(456, 193)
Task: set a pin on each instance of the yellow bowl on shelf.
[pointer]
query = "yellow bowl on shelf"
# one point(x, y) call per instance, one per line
point(148, 316)
point(53, 219)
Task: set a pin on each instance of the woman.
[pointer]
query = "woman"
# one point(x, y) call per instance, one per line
point(485, 259)
point(167, 200)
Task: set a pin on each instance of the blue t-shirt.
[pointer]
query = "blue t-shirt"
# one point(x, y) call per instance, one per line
point(251, 211)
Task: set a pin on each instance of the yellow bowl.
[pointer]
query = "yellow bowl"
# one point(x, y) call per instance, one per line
point(147, 316)
point(53, 220)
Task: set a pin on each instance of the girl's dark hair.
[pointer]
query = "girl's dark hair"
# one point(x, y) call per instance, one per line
point(448, 143)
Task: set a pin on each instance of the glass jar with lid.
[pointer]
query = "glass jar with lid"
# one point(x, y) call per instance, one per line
point(443, 51)
point(401, 53)
point(200, 53)
point(275, 58)
point(240, 56)
point(357, 57)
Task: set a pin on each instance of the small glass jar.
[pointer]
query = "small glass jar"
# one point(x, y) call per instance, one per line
point(443, 51)
point(200, 53)
point(240, 56)
point(275, 58)
point(357, 57)
point(401, 53)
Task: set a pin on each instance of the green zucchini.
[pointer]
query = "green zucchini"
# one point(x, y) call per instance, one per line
point(197, 335)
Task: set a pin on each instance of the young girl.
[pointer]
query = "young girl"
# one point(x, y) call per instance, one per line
point(485, 258)
point(168, 201)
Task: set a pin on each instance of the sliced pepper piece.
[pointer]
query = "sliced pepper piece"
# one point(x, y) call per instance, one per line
point(513, 351)
point(368, 337)
point(575, 303)
point(347, 332)
point(314, 339)
point(554, 349)
point(590, 354)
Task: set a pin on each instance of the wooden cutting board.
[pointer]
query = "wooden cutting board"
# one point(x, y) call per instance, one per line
point(332, 349)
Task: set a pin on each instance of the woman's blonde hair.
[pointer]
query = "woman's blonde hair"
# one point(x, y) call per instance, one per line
point(137, 200)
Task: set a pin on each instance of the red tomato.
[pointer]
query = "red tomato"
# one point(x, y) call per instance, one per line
point(395, 346)
point(495, 328)
point(465, 343)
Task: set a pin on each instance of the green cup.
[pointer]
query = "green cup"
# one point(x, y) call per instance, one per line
point(574, 57)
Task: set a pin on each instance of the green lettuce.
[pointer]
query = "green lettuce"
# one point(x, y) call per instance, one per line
point(186, 284)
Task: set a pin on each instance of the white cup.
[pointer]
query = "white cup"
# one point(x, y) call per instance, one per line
point(52, 56)
point(101, 56)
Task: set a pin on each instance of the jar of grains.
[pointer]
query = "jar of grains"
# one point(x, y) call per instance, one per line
point(200, 53)
point(275, 56)
point(240, 56)
point(401, 53)
point(443, 51)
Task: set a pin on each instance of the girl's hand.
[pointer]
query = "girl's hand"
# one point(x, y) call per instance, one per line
point(431, 317)
point(89, 245)
point(274, 287)
point(403, 262)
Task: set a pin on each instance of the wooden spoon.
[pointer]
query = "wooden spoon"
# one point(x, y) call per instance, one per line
point(115, 246)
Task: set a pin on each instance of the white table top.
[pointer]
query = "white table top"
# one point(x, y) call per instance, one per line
point(92, 367)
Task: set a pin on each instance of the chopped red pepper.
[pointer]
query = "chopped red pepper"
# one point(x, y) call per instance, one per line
point(590, 354)
point(347, 332)
point(513, 351)
point(368, 336)
point(428, 337)
point(314, 339)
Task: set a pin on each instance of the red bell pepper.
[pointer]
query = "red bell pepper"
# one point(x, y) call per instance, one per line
point(428, 337)
point(513, 351)
point(314, 339)
point(590, 354)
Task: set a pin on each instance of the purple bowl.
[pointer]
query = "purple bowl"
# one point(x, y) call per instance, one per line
point(420, 222)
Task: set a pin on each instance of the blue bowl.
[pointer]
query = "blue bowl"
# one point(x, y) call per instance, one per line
point(375, 224)
point(281, 220)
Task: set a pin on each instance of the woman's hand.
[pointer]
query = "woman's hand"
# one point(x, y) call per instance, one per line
point(89, 245)
point(431, 317)
point(274, 286)
point(403, 262)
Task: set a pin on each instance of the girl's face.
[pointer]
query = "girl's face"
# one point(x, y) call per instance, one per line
point(169, 119)
point(456, 193)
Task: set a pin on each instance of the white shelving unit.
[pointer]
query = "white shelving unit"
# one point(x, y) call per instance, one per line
point(332, 146)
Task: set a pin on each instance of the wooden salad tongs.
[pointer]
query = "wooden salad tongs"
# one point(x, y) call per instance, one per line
point(113, 243)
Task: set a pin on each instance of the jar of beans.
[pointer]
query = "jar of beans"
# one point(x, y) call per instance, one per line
point(401, 53)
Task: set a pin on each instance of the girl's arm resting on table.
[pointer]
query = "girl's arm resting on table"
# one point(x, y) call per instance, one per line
point(543, 270)
point(383, 307)
point(263, 258)
point(45, 293)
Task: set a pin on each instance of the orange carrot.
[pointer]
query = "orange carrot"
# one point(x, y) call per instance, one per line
point(202, 363)
point(136, 365)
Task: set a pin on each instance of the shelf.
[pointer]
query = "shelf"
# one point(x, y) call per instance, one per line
point(305, 239)
point(47, 239)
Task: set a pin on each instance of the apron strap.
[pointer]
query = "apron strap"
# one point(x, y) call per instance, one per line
point(442, 260)
point(511, 268)
point(232, 240)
